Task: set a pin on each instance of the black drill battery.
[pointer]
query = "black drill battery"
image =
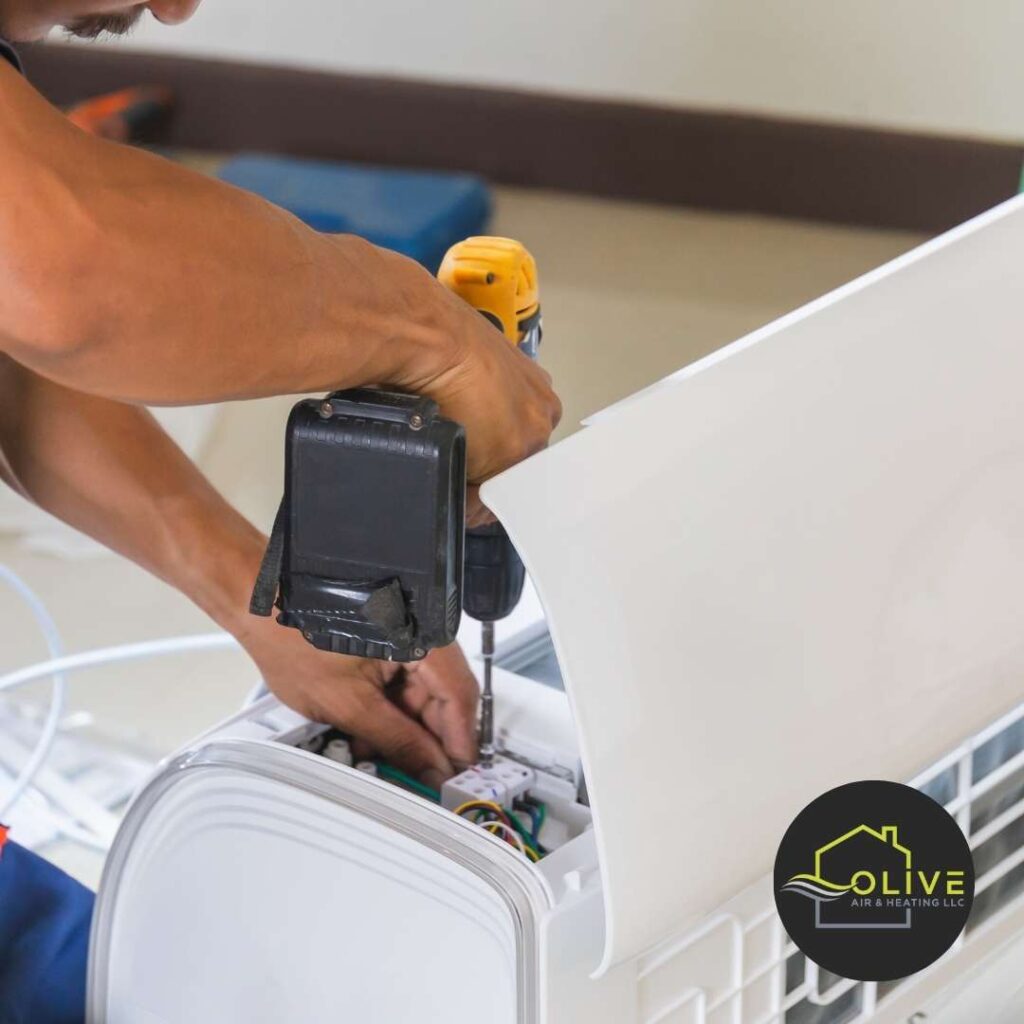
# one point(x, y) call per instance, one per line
point(366, 555)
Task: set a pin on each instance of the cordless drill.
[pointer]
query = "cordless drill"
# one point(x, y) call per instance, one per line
point(366, 556)
point(498, 278)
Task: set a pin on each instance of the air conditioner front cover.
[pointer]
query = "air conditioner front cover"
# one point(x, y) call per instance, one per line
point(798, 563)
point(255, 882)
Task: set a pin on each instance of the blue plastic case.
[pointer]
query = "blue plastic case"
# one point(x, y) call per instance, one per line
point(418, 213)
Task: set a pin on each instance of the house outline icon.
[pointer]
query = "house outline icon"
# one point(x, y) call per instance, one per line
point(887, 834)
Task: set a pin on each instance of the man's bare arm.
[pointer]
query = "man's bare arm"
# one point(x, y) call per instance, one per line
point(108, 469)
point(129, 277)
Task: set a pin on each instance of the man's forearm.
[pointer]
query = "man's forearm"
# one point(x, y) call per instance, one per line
point(111, 471)
point(128, 277)
point(105, 246)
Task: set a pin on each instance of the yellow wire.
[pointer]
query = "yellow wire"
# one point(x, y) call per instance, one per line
point(491, 805)
point(531, 854)
point(479, 803)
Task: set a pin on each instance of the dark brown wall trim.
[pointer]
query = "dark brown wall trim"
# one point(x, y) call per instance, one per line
point(631, 151)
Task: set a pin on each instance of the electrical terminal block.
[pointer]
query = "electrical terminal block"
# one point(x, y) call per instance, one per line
point(501, 783)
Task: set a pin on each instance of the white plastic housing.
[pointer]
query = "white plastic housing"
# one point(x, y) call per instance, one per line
point(253, 881)
point(797, 563)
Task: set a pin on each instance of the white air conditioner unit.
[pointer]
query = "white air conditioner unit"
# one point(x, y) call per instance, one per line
point(797, 563)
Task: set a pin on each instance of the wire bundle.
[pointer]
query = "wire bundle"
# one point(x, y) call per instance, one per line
point(493, 817)
point(485, 813)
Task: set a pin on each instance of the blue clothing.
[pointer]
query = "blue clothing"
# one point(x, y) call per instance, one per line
point(6, 53)
point(44, 941)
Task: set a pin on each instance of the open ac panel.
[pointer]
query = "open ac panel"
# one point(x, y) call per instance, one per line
point(537, 778)
point(533, 797)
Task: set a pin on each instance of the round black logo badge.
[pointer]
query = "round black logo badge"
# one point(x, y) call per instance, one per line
point(874, 881)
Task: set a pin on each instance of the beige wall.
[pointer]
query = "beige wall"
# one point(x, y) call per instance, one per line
point(947, 65)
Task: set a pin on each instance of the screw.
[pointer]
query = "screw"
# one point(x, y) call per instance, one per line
point(418, 652)
point(308, 636)
point(326, 409)
point(416, 421)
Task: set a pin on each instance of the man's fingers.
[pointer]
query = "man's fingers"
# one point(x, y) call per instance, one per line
point(455, 724)
point(361, 750)
point(397, 738)
point(451, 711)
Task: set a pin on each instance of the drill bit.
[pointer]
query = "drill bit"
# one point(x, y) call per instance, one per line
point(498, 278)
point(487, 696)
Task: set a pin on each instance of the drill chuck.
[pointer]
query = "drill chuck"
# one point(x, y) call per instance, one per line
point(493, 574)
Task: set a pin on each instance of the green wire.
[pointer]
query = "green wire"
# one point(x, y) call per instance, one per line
point(527, 838)
point(516, 824)
point(392, 774)
point(538, 811)
point(542, 815)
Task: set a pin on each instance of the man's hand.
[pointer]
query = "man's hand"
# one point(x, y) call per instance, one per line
point(420, 717)
point(503, 399)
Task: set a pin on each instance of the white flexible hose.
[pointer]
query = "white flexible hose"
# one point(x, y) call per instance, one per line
point(56, 666)
point(120, 652)
point(49, 729)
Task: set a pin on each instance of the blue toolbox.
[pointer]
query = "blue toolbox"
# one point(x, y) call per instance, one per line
point(417, 213)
